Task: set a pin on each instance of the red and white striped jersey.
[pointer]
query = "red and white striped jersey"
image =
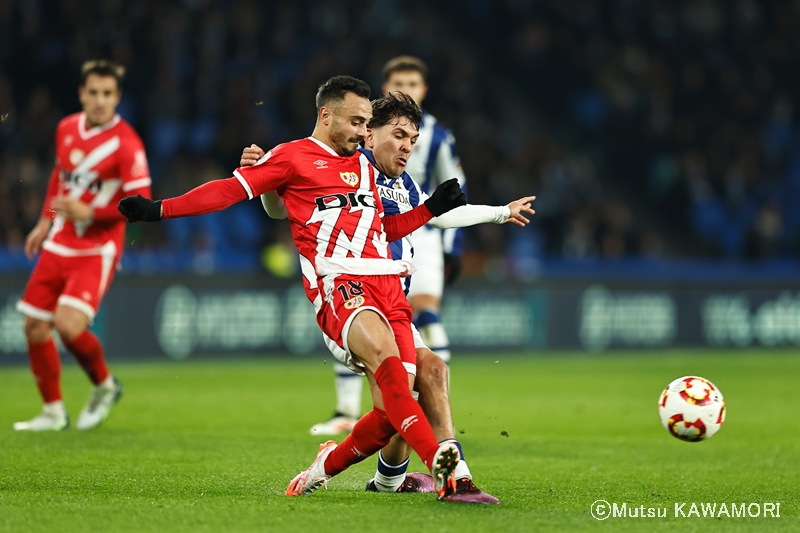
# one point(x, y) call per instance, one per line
point(334, 209)
point(98, 166)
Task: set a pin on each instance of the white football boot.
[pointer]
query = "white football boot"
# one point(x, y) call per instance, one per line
point(335, 426)
point(103, 398)
point(54, 419)
point(315, 477)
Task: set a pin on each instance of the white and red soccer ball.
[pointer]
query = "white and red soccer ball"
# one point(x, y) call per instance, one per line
point(691, 408)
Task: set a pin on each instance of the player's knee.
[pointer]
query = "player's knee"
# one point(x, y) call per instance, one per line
point(384, 351)
point(432, 371)
point(436, 369)
point(382, 347)
point(69, 327)
point(36, 330)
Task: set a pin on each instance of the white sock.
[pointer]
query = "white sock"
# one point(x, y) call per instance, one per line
point(55, 408)
point(388, 478)
point(107, 383)
point(348, 391)
point(462, 470)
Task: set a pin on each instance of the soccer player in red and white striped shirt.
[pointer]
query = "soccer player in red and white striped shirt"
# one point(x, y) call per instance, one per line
point(338, 226)
point(99, 159)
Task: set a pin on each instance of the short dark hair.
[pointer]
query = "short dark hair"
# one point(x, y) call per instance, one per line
point(103, 67)
point(405, 64)
point(395, 105)
point(337, 87)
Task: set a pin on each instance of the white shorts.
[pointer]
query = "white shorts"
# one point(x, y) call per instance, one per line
point(347, 359)
point(429, 260)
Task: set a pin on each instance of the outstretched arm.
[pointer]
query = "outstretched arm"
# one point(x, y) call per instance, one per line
point(447, 196)
point(207, 198)
point(470, 215)
point(269, 173)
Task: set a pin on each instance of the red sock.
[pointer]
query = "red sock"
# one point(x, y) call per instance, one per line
point(404, 413)
point(46, 367)
point(371, 433)
point(89, 353)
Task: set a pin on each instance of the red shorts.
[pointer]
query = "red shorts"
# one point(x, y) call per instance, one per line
point(346, 295)
point(79, 282)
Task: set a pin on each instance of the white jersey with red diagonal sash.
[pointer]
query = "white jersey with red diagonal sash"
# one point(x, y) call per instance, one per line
point(334, 210)
point(99, 166)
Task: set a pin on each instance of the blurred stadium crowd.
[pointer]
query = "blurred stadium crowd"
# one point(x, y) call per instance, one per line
point(647, 128)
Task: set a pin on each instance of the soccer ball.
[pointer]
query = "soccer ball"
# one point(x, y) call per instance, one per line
point(691, 408)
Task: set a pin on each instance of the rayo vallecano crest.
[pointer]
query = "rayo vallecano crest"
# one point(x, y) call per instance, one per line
point(76, 156)
point(350, 178)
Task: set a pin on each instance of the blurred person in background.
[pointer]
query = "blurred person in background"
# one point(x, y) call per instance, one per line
point(437, 251)
point(80, 233)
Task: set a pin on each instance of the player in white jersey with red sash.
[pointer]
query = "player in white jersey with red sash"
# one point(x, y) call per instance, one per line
point(99, 159)
point(338, 227)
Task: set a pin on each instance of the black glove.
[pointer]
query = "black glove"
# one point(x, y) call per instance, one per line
point(452, 267)
point(447, 196)
point(138, 208)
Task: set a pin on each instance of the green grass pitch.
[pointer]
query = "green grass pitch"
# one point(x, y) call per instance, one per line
point(210, 446)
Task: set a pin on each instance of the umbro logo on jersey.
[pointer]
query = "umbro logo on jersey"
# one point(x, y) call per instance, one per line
point(350, 178)
point(321, 164)
point(407, 423)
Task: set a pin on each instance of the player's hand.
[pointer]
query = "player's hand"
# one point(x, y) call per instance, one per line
point(138, 208)
point(452, 268)
point(72, 208)
point(34, 240)
point(447, 196)
point(523, 205)
point(251, 155)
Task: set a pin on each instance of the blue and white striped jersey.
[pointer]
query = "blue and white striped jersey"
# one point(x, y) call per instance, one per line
point(398, 195)
point(433, 162)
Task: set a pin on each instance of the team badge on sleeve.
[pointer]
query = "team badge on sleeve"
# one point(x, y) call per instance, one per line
point(350, 178)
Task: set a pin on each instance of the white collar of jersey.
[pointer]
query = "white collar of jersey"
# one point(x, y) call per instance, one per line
point(324, 146)
point(85, 134)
